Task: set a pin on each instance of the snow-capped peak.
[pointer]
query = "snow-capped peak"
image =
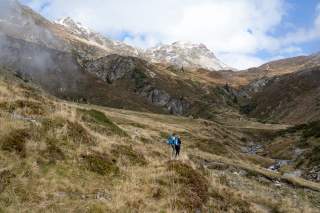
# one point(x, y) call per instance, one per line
point(76, 26)
point(180, 53)
point(186, 54)
point(79, 30)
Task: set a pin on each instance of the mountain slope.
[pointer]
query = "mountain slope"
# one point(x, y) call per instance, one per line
point(84, 34)
point(61, 156)
point(291, 98)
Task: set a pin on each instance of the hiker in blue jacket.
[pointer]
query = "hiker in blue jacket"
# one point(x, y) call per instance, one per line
point(172, 141)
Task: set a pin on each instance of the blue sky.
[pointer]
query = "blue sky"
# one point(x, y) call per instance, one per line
point(243, 33)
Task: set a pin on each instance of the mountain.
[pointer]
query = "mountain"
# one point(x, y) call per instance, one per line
point(283, 66)
point(291, 98)
point(179, 54)
point(186, 55)
point(84, 34)
point(83, 66)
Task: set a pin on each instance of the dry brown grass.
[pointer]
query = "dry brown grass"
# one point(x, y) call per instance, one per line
point(57, 162)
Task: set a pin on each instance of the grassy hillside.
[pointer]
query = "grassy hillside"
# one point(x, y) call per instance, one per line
point(292, 98)
point(59, 156)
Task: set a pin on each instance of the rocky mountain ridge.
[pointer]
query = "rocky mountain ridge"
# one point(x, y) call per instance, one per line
point(179, 54)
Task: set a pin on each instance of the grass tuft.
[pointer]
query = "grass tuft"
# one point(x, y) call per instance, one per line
point(101, 164)
point(194, 192)
point(131, 156)
point(100, 119)
point(15, 141)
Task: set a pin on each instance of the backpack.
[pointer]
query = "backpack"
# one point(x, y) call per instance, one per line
point(178, 141)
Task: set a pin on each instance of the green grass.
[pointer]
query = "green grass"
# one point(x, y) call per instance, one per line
point(101, 164)
point(133, 157)
point(99, 118)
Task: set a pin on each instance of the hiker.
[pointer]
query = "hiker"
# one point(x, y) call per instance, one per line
point(177, 145)
point(171, 141)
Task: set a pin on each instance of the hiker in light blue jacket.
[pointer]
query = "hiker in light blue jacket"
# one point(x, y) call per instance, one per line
point(172, 142)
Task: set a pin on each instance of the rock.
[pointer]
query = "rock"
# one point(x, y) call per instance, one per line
point(297, 173)
point(252, 148)
point(277, 184)
point(279, 164)
point(313, 174)
point(112, 67)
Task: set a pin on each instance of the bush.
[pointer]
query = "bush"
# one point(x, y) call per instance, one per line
point(78, 133)
point(99, 118)
point(133, 157)
point(14, 141)
point(312, 130)
point(194, 192)
point(101, 164)
point(53, 152)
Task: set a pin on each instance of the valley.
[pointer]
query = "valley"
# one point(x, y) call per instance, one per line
point(84, 123)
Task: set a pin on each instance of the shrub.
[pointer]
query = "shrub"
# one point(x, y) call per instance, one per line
point(133, 157)
point(194, 192)
point(14, 141)
point(97, 117)
point(312, 130)
point(78, 133)
point(53, 152)
point(101, 164)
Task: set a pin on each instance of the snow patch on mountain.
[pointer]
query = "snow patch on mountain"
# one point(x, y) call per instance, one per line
point(181, 54)
point(186, 54)
point(94, 38)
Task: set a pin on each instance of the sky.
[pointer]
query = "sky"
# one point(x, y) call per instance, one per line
point(242, 33)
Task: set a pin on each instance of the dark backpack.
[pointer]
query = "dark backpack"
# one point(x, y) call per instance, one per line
point(178, 141)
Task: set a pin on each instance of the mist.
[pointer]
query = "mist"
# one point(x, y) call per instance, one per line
point(28, 46)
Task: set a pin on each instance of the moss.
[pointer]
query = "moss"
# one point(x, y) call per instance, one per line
point(99, 118)
point(132, 157)
point(194, 192)
point(101, 164)
point(15, 141)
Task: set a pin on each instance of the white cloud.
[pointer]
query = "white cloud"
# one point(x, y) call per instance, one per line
point(235, 29)
point(241, 61)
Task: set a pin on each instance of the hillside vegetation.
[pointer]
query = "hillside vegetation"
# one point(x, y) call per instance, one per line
point(59, 156)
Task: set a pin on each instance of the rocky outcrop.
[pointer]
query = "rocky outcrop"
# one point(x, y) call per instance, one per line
point(178, 106)
point(112, 67)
